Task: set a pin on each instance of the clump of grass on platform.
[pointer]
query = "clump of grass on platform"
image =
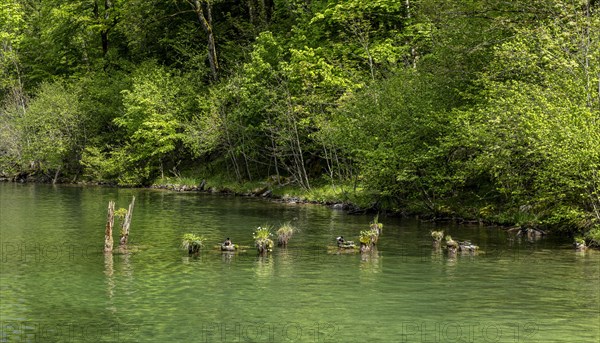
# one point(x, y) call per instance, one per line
point(262, 239)
point(192, 242)
point(284, 233)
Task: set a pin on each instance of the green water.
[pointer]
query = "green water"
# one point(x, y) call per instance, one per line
point(57, 286)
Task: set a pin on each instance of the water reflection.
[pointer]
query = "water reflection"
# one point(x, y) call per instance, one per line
point(284, 256)
point(529, 234)
point(285, 262)
point(370, 261)
point(437, 254)
point(168, 300)
point(126, 265)
point(109, 271)
point(120, 258)
point(452, 259)
point(227, 256)
point(264, 267)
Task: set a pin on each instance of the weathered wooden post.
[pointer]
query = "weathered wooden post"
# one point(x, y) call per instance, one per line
point(126, 224)
point(452, 246)
point(367, 240)
point(437, 237)
point(377, 228)
point(110, 222)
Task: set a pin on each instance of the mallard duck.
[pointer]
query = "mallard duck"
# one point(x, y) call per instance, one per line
point(467, 246)
point(579, 244)
point(342, 243)
point(227, 245)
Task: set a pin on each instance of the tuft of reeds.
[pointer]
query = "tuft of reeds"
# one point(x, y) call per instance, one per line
point(192, 243)
point(284, 233)
point(437, 235)
point(262, 239)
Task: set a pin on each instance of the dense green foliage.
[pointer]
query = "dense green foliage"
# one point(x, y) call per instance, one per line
point(466, 109)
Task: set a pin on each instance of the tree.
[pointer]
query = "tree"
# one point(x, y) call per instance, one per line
point(203, 10)
point(390, 131)
point(534, 132)
point(51, 128)
point(102, 15)
point(151, 123)
point(12, 26)
point(372, 32)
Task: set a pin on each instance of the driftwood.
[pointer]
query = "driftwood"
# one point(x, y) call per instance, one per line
point(110, 222)
point(126, 224)
point(263, 246)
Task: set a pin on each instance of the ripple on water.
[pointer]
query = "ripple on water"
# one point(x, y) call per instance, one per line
point(541, 290)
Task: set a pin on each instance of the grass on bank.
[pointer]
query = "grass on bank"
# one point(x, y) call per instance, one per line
point(461, 208)
point(324, 193)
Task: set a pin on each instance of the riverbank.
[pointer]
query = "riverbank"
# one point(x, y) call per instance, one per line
point(337, 197)
point(355, 200)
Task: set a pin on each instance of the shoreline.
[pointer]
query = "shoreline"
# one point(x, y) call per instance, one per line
point(269, 192)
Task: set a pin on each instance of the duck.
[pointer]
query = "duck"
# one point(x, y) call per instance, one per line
point(227, 245)
point(467, 246)
point(579, 244)
point(342, 243)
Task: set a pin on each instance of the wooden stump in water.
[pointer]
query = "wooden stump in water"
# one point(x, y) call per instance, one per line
point(262, 242)
point(126, 224)
point(110, 222)
point(264, 246)
point(376, 229)
point(452, 245)
point(367, 240)
point(284, 233)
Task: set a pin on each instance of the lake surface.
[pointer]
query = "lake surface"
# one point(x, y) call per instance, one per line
point(56, 285)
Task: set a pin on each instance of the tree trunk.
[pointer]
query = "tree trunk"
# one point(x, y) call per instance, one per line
point(104, 33)
point(203, 11)
point(300, 157)
point(269, 6)
point(260, 11)
point(252, 11)
point(126, 224)
point(110, 222)
point(56, 175)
